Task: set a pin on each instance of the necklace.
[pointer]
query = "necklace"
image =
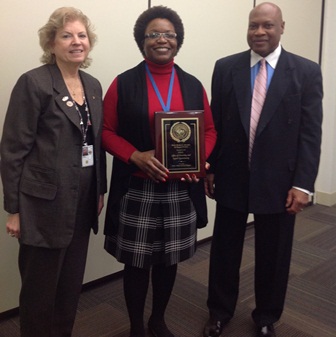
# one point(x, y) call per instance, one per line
point(75, 87)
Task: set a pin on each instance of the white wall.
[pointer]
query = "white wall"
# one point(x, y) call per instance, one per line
point(213, 29)
point(302, 26)
point(20, 51)
point(326, 181)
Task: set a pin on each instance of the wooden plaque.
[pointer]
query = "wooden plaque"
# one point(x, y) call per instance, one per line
point(179, 142)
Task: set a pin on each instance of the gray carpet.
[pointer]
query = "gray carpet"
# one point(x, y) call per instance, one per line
point(311, 298)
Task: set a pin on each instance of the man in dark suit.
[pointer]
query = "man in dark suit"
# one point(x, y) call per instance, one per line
point(276, 181)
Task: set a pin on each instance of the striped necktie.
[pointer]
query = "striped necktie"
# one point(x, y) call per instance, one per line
point(258, 98)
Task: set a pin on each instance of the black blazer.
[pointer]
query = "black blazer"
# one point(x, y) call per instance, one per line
point(287, 145)
point(41, 155)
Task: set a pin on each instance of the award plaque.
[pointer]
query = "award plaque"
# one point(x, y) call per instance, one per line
point(179, 142)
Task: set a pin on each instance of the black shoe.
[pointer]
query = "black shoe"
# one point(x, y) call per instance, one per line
point(159, 328)
point(266, 331)
point(213, 328)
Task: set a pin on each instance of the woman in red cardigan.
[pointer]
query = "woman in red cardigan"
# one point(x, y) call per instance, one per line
point(152, 219)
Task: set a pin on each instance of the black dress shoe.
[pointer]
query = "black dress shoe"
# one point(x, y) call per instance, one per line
point(266, 331)
point(213, 328)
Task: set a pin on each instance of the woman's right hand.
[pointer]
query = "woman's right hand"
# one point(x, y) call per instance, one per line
point(148, 164)
point(13, 225)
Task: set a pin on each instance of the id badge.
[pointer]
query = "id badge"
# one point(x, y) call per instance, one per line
point(87, 155)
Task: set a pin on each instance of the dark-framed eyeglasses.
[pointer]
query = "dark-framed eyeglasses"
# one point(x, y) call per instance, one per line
point(157, 35)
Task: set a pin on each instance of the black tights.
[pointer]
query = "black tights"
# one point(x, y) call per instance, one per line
point(136, 281)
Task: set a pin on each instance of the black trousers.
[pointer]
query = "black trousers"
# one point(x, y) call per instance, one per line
point(52, 278)
point(51, 285)
point(273, 246)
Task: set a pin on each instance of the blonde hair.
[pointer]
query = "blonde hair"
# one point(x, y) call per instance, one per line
point(57, 20)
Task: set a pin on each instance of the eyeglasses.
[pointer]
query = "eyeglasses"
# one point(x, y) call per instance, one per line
point(156, 35)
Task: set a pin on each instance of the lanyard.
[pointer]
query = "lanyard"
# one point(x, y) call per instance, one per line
point(165, 107)
point(81, 122)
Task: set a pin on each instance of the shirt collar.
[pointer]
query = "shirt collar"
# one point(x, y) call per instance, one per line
point(272, 58)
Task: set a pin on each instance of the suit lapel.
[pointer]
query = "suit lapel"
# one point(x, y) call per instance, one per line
point(241, 82)
point(277, 89)
point(242, 86)
point(65, 103)
point(63, 97)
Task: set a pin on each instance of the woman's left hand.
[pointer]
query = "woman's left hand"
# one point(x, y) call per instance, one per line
point(191, 178)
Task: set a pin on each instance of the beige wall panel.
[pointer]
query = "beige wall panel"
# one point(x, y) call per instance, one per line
point(115, 52)
point(326, 182)
point(302, 26)
point(213, 29)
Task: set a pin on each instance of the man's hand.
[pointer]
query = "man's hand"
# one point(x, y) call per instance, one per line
point(209, 185)
point(296, 201)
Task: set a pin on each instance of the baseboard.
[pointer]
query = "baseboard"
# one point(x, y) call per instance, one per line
point(105, 279)
point(9, 314)
point(326, 199)
point(89, 285)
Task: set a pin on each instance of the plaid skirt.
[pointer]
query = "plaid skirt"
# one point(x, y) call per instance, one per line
point(157, 224)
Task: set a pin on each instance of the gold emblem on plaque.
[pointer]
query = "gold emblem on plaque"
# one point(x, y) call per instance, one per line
point(180, 132)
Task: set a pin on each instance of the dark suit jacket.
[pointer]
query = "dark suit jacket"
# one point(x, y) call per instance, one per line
point(41, 155)
point(287, 145)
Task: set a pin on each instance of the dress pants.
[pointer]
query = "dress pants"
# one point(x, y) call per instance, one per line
point(51, 286)
point(52, 278)
point(273, 246)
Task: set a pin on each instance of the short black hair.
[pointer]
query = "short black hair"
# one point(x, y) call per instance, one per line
point(157, 12)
